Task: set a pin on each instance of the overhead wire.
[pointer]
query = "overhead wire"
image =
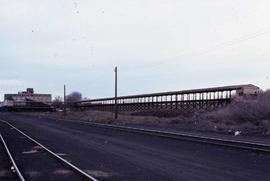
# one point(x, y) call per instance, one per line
point(210, 49)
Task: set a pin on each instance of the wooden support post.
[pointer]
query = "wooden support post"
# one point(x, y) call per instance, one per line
point(176, 101)
point(115, 97)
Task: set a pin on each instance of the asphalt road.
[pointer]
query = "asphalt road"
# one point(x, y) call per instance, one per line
point(109, 154)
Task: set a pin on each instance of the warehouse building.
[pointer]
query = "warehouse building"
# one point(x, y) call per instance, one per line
point(28, 100)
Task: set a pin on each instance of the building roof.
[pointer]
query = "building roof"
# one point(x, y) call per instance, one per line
point(212, 89)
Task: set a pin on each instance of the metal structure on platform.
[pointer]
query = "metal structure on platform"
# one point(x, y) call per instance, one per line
point(206, 99)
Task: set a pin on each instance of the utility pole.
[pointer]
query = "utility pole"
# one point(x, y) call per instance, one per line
point(65, 111)
point(115, 98)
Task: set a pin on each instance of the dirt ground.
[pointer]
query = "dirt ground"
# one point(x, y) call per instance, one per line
point(196, 122)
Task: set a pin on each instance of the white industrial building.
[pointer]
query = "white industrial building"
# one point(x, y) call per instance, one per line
point(27, 97)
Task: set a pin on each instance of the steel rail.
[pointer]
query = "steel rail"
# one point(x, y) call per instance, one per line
point(182, 136)
point(195, 138)
point(12, 160)
point(54, 154)
point(205, 139)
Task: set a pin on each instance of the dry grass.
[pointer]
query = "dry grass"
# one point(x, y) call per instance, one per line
point(251, 110)
point(248, 114)
point(105, 117)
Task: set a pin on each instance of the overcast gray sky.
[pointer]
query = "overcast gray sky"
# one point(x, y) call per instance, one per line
point(158, 45)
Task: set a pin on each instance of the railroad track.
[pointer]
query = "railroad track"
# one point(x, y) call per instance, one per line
point(194, 138)
point(14, 165)
point(83, 175)
point(181, 136)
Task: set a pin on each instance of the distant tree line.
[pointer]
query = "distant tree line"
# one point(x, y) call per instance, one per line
point(70, 99)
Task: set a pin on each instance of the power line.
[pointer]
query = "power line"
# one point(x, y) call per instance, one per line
point(221, 45)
